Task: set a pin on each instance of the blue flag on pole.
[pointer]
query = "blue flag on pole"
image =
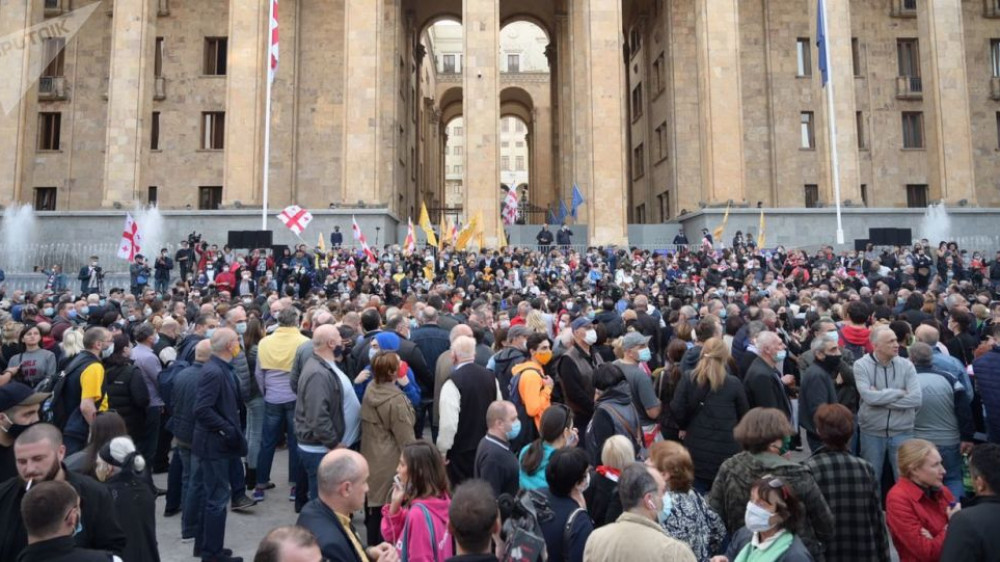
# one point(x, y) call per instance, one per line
point(563, 211)
point(821, 32)
point(552, 217)
point(577, 199)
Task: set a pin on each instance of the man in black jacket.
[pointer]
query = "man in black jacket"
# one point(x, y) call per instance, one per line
point(764, 381)
point(495, 462)
point(40, 453)
point(51, 514)
point(473, 519)
point(972, 531)
point(342, 480)
point(576, 372)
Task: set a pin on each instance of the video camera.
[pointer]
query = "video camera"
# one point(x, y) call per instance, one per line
point(521, 517)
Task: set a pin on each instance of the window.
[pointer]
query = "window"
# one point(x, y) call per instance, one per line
point(519, 144)
point(908, 54)
point(864, 194)
point(639, 161)
point(856, 55)
point(458, 168)
point(804, 53)
point(807, 132)
point(459, 131)
point(916, 195)
point(637, 101)
point(519, 126)
point(504, 144)
point(812, 195)
point(55, 49)
point(151, 195)
point(449, 64)
point(154, 132)
point(45, 199)
point(215, 56)
point(640, 214)
point(913, 129)
point(49, 130)
point(158, 58)
point(859, 123)
point(458, 151)
point(505, 126)
point(995, 56)
point(519, 163)
point(213, 130)
point(661, 141)
point(209, 198)
point(663, 201)
point(635, 40)
point(505, 163)
point(659, 73)
point(513, 63)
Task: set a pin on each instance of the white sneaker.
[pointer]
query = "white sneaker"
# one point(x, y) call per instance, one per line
point(186, 540)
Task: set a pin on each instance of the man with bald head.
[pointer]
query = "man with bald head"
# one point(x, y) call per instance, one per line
point(183, 394)
point(327, 411)
point(218, 438)
point(465, 398)
point(342, 482)
point(442, 371)
point(925, 333)
point(764, 383)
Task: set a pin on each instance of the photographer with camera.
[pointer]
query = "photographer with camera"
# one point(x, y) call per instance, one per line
point(91, 277)
point(185, 256)
point(138, 275)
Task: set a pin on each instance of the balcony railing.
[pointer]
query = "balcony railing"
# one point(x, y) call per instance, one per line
point(991, 8)
point(909, 88)
point(904, 8)
point(52, 88)
point(159, 88)
point(163, 8)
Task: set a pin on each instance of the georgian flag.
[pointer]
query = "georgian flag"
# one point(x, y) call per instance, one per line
point(510, 207)
point(295, 218)
point(360, 237)
point(273, 50)
point(131, 239)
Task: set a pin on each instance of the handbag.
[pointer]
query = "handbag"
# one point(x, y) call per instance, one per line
point(430, 529)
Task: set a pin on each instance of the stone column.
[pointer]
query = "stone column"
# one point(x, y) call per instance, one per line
point(581, 172)
point(717, 32)
point(601, 141)
point(130, 99)
point(947, 120)
point(361, 111)
point(844, 104)
point(15, 17)
point(562, 89)
point(481, 110)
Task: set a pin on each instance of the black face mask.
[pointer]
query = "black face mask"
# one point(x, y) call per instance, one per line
point(15, 430)
point(830, 362)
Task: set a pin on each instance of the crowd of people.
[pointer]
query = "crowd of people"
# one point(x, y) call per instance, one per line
point(703, 403)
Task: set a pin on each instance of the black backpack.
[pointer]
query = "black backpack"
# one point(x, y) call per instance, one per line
point(55, 410)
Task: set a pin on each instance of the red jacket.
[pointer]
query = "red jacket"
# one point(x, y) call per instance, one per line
point(909, 509)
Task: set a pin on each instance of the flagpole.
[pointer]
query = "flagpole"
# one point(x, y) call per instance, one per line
point(834, 155)
point(267, 119)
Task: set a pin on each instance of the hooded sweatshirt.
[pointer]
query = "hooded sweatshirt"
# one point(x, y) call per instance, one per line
point(890, 395)
point(856, 335)
point(614, 414)
point(412, 522)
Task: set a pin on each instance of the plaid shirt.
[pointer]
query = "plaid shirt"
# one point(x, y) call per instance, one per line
point(849, 486)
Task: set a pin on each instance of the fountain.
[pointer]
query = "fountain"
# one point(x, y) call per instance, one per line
point(18, 237)
point(151, 228)
point(936, 224)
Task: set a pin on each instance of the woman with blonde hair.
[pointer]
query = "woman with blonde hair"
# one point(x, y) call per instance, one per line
point(687, 517)
point(536, 322)
point(919, 505)
point(602, 494)
point(707, 404)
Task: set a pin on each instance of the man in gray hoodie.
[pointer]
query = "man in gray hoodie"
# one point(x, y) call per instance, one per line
point(890, 398)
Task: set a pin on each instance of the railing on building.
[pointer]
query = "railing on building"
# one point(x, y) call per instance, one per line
point(163, 8)
point(53, 8)
point(52, 88)
point(904, 8)
point(991, 8)
point(160, 88)
point(909, 87)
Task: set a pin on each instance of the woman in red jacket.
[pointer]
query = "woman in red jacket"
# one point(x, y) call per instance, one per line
point(919, 506)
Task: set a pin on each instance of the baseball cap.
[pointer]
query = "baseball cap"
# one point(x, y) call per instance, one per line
point(634, 339)
point(19, 394)
point(581, 322)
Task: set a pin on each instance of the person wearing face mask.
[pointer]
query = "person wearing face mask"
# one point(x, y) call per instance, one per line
point(19, 406)
point(567, 531)
point(127, 390)
point(576, 371)
point(51, 512)
point(149, 365)
point(121, 468)
point(531, 389)
point(637, 535)
point(614, 413)
point(495, 461)
point(40, 452)
point(514, 353)
point(768, 531)
point(817, 386)
point(765, 434)
point(764, 381)
point(83, 391)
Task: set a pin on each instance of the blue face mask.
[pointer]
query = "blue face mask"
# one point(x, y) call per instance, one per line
point(780, 357)
point(668, 506)
point(241, 328)
point(515, 430)
point(49, 311)
point(209, 332)
point(372, 352)
point(72, 314)
point(645, 355)
point(723, 314)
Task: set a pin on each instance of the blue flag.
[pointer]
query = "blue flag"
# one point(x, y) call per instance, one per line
point(563, 211)
point(577, 199)
point(821, 32)
point(552, 217)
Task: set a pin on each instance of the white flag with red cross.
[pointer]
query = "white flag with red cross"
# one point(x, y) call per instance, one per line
point(295, 218)
point(360, 237)
point(131, 239)
point(510, 207)
point(273, 47)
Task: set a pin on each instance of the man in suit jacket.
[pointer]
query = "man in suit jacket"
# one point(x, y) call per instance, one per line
point(764, 381)
point(217, 440)
point(465, 397)
point(342, 481)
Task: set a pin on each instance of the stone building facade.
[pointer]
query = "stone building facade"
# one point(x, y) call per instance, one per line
point(649, 107)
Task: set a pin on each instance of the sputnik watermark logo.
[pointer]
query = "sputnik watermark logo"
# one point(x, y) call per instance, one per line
point(28, 46)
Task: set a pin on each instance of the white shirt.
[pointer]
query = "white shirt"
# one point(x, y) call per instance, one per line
point(450, 408)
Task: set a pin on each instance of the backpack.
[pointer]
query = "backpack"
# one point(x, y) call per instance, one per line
point(528, 430)
point(166, 380)
point(856, 349)
point(54, 410)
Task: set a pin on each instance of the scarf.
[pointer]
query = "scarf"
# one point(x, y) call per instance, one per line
point(772, 552)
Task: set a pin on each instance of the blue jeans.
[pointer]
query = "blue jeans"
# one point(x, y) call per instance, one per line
point(277, 418)
point(875, 448)
point(237, 478)
point(211, 490)
point(255, 427)
point(951, 459)
point(310, 461)
point(176, 483)
point(191, 499)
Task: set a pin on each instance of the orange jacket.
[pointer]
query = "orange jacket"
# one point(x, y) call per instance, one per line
point(535, 395)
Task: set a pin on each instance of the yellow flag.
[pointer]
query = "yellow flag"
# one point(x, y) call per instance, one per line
point(761, 237)
point(425, 224)
point(480, 235)
point(444, 233)
point(719, 230)
point(465, 236)
point(321, 250)
point(501, 235)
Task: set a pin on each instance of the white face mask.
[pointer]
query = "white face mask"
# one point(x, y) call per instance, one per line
point(590, 337)
point(757, 519)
